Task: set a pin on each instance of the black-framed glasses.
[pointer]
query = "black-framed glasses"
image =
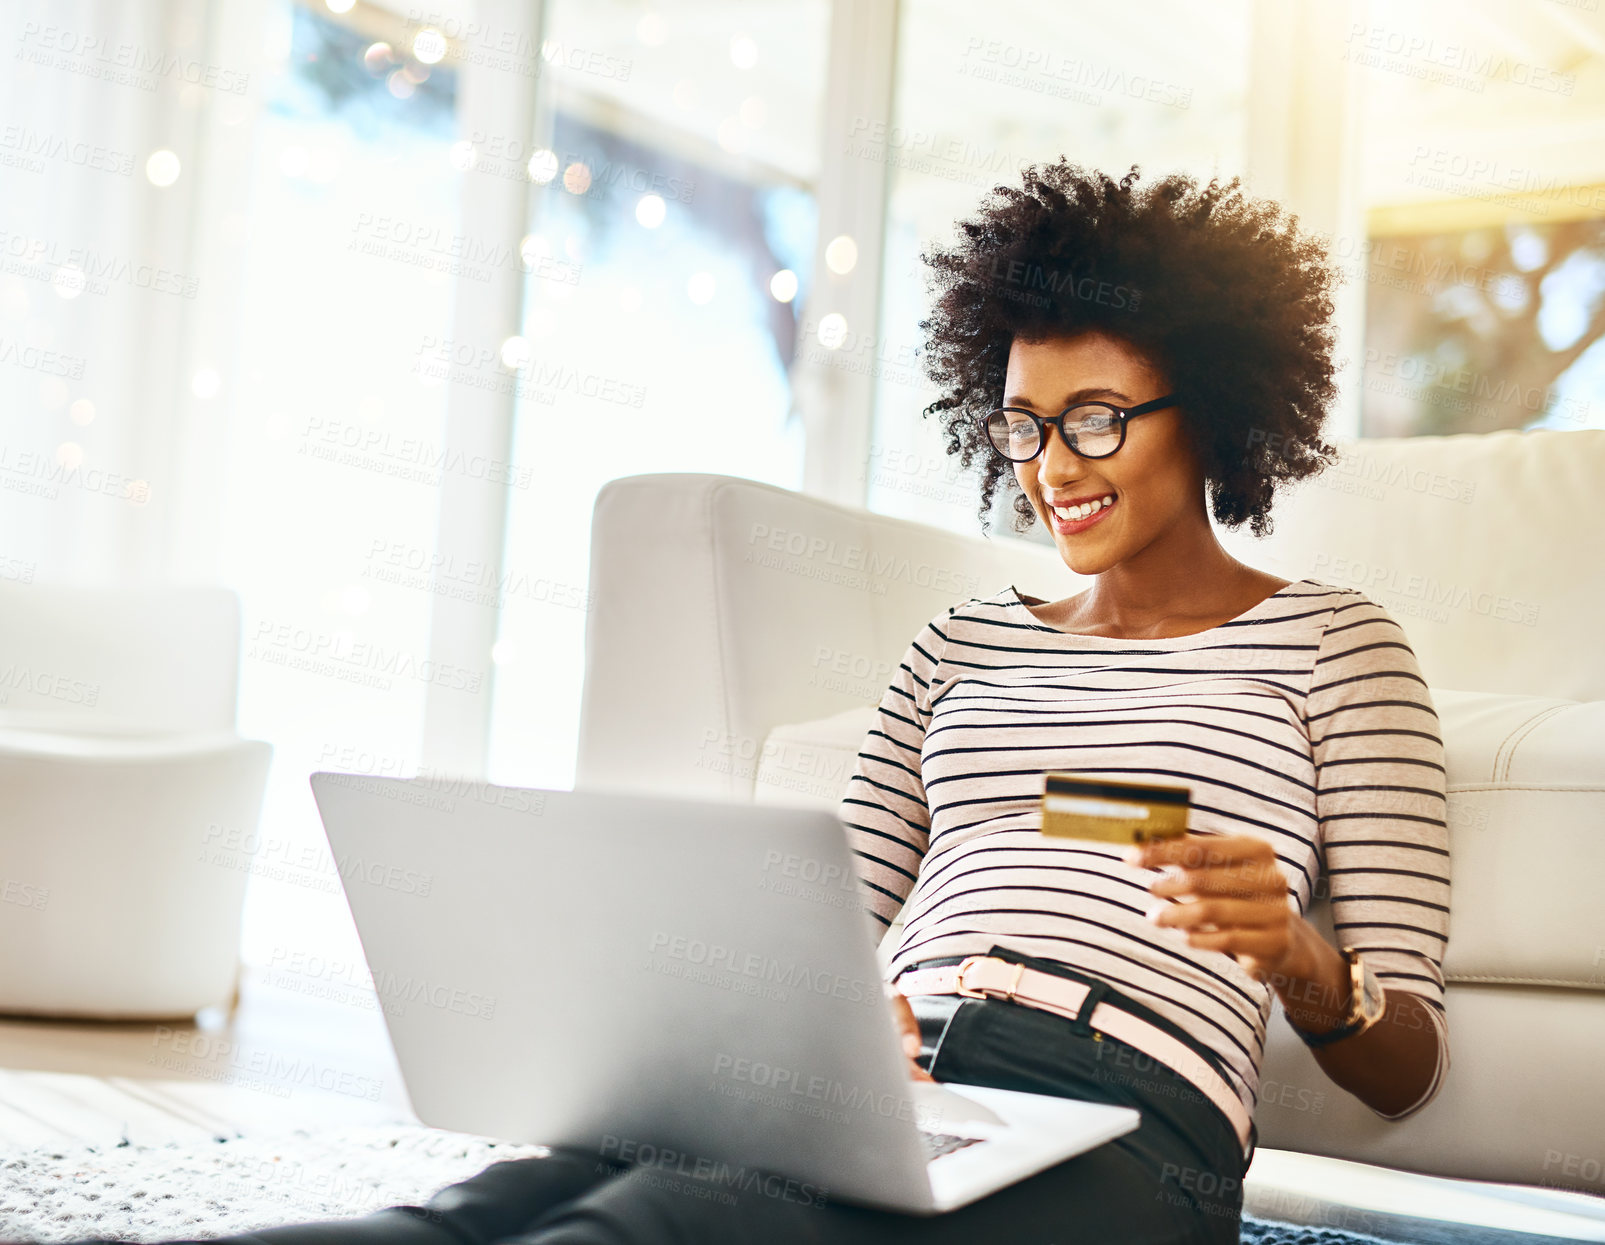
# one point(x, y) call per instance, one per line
point(1091, 429)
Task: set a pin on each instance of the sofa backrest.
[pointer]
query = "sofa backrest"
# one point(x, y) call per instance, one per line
point(148, 659)
point(1484, 548)
point(724, 607)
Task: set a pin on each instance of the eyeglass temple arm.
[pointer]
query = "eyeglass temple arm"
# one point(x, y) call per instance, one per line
point(1158, 404)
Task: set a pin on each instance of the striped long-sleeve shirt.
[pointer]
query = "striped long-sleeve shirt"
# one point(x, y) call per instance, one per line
point(1305, 722)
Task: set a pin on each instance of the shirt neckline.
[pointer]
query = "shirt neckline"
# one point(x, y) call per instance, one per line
point(1246, 616)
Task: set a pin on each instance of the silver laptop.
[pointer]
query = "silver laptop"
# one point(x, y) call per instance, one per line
point(688, 985)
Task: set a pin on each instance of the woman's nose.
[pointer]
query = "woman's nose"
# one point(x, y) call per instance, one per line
point(1058, 462)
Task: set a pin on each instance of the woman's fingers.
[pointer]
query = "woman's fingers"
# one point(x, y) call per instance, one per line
point(1233, 880)
point(1235, 895)
point(1223, 914)
point(1256, 950)
point(909, 1028)
point(1202, 851)
point(1259, 933)
point(1257, 881)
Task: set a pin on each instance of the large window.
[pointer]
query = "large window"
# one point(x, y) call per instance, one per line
point(674, 222)
point(328, 503)
point(666, 255)
point(1483, 256)
point(1485, 329)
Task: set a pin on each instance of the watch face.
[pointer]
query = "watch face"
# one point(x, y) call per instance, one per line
point(1372, 1000)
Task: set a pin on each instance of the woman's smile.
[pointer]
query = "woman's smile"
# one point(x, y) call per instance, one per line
point(1073, 520)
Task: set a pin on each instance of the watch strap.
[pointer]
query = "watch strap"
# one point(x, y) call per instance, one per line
point(1356, 1021)
point(1317, 1040)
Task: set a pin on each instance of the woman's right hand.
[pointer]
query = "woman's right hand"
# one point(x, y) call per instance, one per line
point(909, 1029)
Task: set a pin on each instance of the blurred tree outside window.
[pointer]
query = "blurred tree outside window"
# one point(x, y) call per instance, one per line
point(1486, 329)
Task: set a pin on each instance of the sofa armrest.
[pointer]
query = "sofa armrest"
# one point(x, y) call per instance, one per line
point(724, 607)
point(125, 866)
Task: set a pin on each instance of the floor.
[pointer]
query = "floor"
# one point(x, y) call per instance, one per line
point(301, 1054)
point(283, 1059)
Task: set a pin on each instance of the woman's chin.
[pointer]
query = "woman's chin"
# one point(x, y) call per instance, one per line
point(1082, 561)
point(1084, 553)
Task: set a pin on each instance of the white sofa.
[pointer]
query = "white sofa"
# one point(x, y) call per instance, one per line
point(122, 780)
point(743, 634)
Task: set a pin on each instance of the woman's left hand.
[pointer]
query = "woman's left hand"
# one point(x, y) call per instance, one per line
point(1235, 897)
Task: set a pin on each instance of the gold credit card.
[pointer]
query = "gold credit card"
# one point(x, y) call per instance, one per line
point(1112, 812)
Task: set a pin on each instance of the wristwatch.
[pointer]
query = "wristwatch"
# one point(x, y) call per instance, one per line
point(1366, 1004)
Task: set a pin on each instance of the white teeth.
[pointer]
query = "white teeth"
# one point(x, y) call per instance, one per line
point(1084, 509)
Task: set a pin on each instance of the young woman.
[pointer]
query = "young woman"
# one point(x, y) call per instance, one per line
point(1126, 360)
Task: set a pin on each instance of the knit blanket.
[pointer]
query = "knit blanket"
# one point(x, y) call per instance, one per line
point(157, 1193)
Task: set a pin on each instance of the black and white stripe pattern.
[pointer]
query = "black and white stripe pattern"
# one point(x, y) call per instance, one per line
point(1304, 721)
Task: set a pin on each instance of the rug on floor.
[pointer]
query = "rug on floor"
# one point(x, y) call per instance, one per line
point(156, 1193)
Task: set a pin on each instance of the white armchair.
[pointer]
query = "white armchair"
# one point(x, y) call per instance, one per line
point(743, 634)
point(121, 773)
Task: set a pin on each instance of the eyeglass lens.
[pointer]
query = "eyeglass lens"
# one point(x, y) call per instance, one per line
point(1094, 430)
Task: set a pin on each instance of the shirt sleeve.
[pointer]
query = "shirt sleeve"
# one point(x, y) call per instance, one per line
point(887, 818)
point(1381, 804)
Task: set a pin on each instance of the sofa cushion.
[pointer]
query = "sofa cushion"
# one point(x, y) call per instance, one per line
point(62, 744)
point(1526, 787)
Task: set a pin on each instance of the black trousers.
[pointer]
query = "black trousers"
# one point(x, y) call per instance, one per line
point(1177, 1178)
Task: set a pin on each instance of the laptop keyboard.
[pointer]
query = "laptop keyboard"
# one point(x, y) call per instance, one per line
point(938, 1144)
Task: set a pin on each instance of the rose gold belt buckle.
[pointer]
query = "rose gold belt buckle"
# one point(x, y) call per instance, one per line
point(960, 988)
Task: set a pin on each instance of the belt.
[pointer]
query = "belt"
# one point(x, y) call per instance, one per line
point(987, 977)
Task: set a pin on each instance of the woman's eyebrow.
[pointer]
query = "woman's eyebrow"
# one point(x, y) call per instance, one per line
point(1080, 395)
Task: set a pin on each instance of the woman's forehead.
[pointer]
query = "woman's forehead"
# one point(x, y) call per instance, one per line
point(1086, 357)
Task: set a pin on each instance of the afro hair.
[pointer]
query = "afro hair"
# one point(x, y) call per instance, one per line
point(1221, 291)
